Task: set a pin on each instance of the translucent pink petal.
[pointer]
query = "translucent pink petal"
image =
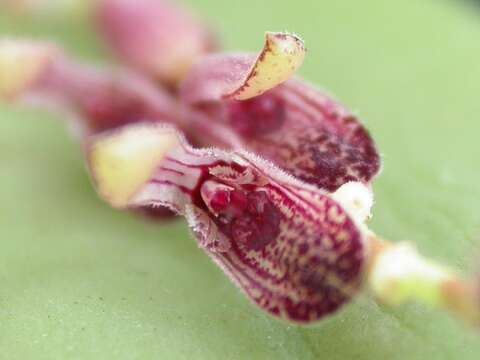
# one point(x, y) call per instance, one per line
point(155, 36)
point(291, 248)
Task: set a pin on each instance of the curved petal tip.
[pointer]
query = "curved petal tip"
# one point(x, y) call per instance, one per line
point(122, 161)
point(242, 76)
point(21, 62)
point(281, 57)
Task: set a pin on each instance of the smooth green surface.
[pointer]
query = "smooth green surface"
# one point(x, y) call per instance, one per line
point(79, 280)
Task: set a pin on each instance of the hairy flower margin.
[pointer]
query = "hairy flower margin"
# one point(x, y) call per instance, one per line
point(277, 185)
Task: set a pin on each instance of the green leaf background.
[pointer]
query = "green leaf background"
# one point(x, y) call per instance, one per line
point(79, 280)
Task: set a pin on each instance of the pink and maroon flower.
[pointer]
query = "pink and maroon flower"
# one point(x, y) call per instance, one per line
point(248, 101)
point(276, 187)
point(274, 209)
point(291, 248)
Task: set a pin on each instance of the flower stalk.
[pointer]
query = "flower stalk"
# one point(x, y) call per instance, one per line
point(398, 274)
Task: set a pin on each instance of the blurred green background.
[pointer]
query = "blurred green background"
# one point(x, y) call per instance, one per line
point(79, 280)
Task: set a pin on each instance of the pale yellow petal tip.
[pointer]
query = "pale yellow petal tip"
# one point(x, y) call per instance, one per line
point(282, 56)
point(21, 62)
point(123, 161)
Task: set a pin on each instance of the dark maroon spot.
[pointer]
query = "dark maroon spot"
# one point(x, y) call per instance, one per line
point(248, 218)
point(303, 248)
point(327, 166)
point(313, 274)
point(257, 116)
point(259, 224)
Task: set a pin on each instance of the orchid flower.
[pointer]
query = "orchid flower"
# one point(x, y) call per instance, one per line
point(297, 252)
point(281, 209)
point(325, 146)
point(245, 213)
point(250, 98)
point(291, 248)
point(250, 101)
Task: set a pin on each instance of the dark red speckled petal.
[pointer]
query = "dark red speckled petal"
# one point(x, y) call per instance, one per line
point(291, 248)
point(302, 130)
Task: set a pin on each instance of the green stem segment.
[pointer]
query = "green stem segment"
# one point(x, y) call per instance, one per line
point(398, 274)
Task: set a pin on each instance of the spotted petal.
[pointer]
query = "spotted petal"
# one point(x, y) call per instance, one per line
point(291, 248)
point(304, 131)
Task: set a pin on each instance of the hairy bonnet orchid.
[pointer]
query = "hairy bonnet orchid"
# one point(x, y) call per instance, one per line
point(291, 248)
point(272, 176)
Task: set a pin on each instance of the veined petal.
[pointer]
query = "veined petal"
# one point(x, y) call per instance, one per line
point(155, 36)
point(292, 249)
point(243, 76)
point(299, 128)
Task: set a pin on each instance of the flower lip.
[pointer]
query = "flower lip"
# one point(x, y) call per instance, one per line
point(292, 249)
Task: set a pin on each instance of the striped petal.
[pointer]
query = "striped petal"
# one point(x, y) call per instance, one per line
point(292, 249)
point(302, 130)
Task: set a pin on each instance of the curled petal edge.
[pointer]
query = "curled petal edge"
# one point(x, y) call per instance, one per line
point(244, 76)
